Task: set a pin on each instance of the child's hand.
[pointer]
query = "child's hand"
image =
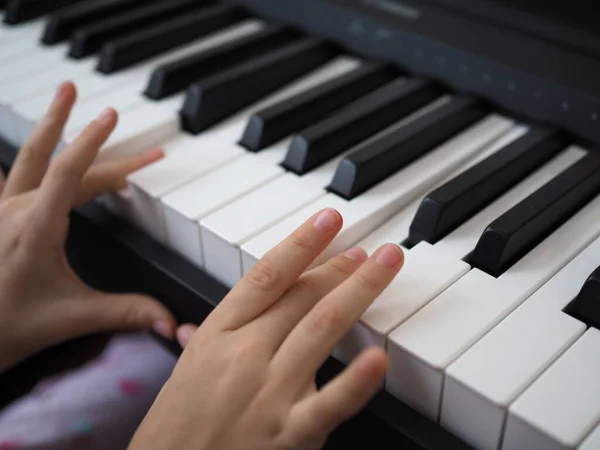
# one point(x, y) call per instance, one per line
point(42, 301)
point(246, 378)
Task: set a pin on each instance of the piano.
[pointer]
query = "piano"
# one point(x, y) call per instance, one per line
point(467, 132)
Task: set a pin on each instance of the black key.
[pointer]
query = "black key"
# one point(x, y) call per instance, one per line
point(357, 122)
point(586, 306)
point(374, 161)
point(177, 76)
point(88, 40)
point(452, 204)
point(18, 11)
point(523, 227)
point(274, 123)
point(126, 51)
point(215, 98)
point(62, 24)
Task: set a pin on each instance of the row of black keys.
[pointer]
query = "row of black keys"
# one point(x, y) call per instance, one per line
point(343, 113)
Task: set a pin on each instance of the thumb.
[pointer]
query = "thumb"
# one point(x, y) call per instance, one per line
point(102, 312)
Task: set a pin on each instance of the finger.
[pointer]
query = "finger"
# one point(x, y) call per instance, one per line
point(96, 312)
point(277, 323)
point(315, 337)
point(2, 181)
point(60, 187)
point(320, 414)
point(185, 334)
point(32, 160)
point(268, 280)
point(112, 176)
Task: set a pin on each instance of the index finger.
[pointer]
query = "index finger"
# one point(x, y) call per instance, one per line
point(317, 334)
point(60, 187)
point(273, 275)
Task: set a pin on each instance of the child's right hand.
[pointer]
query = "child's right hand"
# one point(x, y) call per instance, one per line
point(246, 378)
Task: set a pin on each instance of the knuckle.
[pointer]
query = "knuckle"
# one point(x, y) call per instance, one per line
point(302, 240)
point(343, 266)
point(325, 318)
point(264, 275)
point(131, 315)
point(366, 281)
point(304, 286)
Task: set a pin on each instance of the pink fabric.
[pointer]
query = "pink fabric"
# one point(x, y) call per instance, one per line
point(97, 407)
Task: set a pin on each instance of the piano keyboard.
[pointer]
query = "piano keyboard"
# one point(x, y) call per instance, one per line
point(492, 327)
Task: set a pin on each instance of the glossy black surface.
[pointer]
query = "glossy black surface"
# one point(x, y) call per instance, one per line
point(523, 227)
point(586, 306)
point(357, 122)
point(217, 97)
point(124, 52)
point(178, 75)
point(274, 123)
point(452, 204)
point(527, 76)
point(88, 40)
point(374, 161)
point(18, 11)
point(62, 24)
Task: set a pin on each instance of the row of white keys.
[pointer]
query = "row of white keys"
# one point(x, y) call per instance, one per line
point(38, 59)
point(10, 34)
point(483, 382)
point(562, 406)
point(425, 274)
point(424, 346)
point(135, 77)
point(179, 185)
point(18, 48)
point(366, 212)
point(223, 234)
point(122, 90)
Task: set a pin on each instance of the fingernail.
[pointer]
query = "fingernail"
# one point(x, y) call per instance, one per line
point(183, 336)
point(106, 117)
point(163, 328)
point(389, 256)
point(155, 153)
point(327, 220)
point(356, 254)
point(61, 92)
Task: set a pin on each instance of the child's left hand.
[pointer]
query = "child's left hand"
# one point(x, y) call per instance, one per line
point(42, 301)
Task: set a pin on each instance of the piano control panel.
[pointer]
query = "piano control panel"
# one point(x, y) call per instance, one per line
point(472, 147)
point(525, 74)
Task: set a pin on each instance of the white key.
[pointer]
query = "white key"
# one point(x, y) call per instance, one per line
point(397, 229)
point(483, 382)
point(563, 406)
point(592, 442)
point(142, 128)
point(135, 77)
point(17, 49)
point(224, 232)
point(150, 185)
point(425, 274)
point(100, 88)
point(38, 59)
point(164, 176)
point(425, 345)
point(28, 31)
point(49, 79)
point(366, 212)
point(185, 207)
